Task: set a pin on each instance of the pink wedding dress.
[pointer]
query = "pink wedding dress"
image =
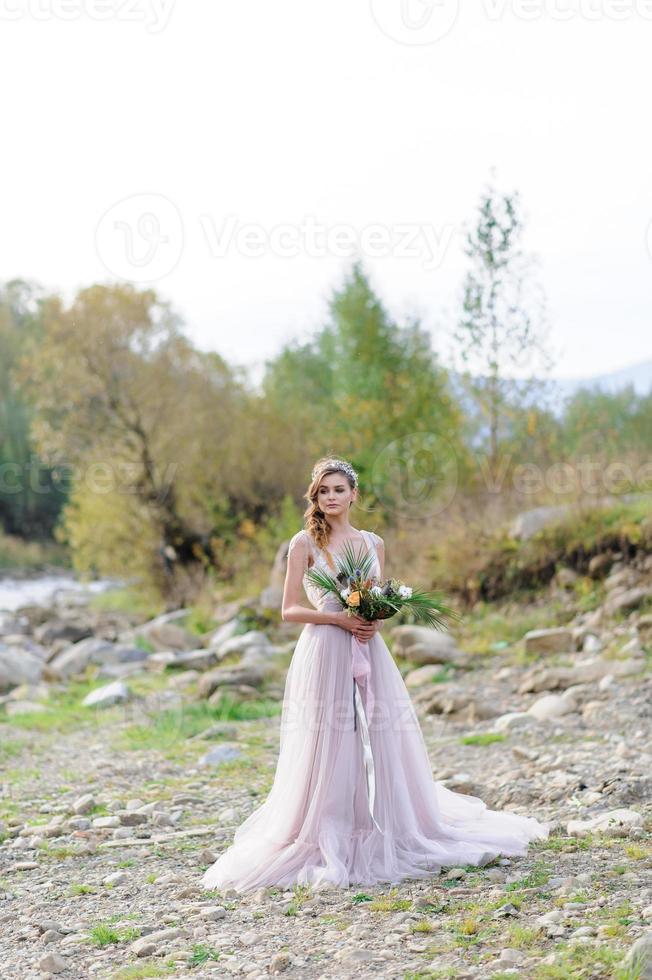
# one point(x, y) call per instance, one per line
point(354, 801)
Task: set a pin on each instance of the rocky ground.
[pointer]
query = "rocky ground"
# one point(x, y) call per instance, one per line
point(111, 811)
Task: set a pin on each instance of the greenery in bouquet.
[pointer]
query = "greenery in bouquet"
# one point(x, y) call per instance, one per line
point(363, 594)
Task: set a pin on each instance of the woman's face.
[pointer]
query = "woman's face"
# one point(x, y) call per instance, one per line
point(335, 495)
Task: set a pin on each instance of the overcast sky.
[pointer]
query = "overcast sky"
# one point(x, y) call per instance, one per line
point(233, 155)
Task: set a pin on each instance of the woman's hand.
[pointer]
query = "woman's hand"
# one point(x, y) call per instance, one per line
point(361, 628)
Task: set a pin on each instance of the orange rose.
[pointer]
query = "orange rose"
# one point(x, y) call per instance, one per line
point(354, 599)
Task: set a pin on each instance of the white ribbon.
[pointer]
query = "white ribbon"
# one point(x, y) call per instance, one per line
point(368, 757)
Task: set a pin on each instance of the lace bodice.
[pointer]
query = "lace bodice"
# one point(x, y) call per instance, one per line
point(317, 597)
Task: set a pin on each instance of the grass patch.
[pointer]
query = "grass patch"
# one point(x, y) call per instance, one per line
point(78, 889)
point(201, 954)
point(145, 971)
point(106, 934)
point(483, 738)
point(390, 903)
point(581, 960)
point(174, 725)
point(537, 877)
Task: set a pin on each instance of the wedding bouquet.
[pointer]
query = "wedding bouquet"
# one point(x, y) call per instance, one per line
point(363, 594)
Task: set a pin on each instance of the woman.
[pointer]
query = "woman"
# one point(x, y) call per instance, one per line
point(353, 799)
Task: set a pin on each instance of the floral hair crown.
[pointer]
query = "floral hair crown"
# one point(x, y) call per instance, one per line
point(337, 464)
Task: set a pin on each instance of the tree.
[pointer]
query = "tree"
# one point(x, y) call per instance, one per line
point(145, 423)
point(361, 384)
point(30, 496)
point(502, 325)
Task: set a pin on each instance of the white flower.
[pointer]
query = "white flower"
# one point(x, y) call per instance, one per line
point(345, 593)
point(376, 589)
point(405, 591)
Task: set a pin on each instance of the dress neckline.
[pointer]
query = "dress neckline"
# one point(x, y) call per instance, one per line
point(320, 555)
point(360, 540)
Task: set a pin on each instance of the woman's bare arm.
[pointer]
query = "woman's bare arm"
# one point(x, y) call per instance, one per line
point(292, 611)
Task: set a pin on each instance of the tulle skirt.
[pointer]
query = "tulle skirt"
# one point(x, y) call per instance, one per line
point(355, 803)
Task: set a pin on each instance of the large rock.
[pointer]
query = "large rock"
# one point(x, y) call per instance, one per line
point(62, 629)
point(639, 957)
point(109, 694)
point(245, 642)
point(223, 633)
point(423, 675)
point(552, 706)
point(76, 658)
point(616, 823)
point(201, 659)
point(423, 645)
point(513, 721)
point(541, 678)
point(629, 599)
point(168, 636)
point(252, 675)
point(558, 639)
point(19, 666)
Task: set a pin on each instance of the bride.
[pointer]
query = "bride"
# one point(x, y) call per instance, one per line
point(353, 800)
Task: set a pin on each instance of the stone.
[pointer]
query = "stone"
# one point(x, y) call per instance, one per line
point(194, 660)
point(422, 675)
point(279, 962)
point(629, 599)
point(640, 956)
point(253, 639)
point(219, 754)
point(147, 945)
point(513, 720)
point(18, 666)
point(218, 637)
point(109, 694)
point(116, 878)
point(83, 804)
point(461, 782)
point(540, 678)
point(52, 963)
point(76, 657)
point(102, 823)
point(551, 706)
point(557, 639)
point(58, 629)
point(617, 823)
point(511, 956)
point(213, 913)
point(251, 676)
point(423, 645)
point(168, 636)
